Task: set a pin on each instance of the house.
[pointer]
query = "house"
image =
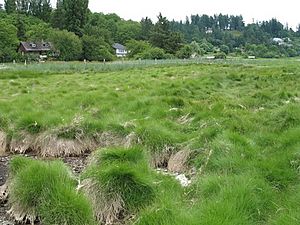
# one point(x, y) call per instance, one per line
point(120, 50)
point(1, 6)
point(287, 42)
point(278, 41)
point(209, 31)
point(38, 48)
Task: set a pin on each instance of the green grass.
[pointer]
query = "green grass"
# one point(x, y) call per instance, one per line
point(46, 190)
point(119, 177)
point(246, 113)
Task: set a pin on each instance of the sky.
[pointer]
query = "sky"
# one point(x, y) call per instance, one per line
point(286, 11)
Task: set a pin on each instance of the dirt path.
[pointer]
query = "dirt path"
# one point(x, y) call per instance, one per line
point(77, 164)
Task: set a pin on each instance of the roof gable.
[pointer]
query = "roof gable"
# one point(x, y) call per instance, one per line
point(36, 46)
point(119, 46)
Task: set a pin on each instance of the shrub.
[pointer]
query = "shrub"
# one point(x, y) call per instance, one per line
point(225, 49)
point(137, 47)
point(220, 55)
point(185, 52)
point(152, 53)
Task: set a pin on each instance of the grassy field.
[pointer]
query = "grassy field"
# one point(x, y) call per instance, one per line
point(239, 121)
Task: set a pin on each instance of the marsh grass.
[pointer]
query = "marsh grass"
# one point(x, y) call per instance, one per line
point(245, 113)
point(118, 183)
point(46, 190)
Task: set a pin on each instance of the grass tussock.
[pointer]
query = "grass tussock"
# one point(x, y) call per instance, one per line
point(46, 191)
point(118, 183)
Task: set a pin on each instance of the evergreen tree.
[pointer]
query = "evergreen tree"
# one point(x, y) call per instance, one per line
point(161, 32)
point(163, 37)
point(298, 30)
point(10, 6)
point(146, 29)
point(76, 12)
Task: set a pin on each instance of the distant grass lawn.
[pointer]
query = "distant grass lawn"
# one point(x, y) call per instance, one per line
point(244, 114)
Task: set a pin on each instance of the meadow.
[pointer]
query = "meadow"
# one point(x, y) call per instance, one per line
point(231, 126)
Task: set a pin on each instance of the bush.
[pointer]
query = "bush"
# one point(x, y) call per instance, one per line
point(8, 43)
point(220, 55)
point(137, 47)
point(225, 49)
point(152, 53)
point(185, 52)
point(46, 190)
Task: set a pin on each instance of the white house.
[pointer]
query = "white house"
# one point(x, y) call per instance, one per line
point(209, 31)
point(278, 41)
point(120, 50)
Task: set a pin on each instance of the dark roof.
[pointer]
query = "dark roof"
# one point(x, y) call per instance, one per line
point(119, 46)
point(36, 46)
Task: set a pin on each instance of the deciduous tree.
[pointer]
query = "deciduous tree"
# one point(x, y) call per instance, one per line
point(76, 12)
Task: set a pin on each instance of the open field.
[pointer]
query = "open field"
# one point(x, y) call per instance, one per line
point(232, 127)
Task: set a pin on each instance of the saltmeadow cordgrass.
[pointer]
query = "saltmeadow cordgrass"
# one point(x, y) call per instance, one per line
point(46, 190)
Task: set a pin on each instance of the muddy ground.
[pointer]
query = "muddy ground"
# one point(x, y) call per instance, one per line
point(77, 164)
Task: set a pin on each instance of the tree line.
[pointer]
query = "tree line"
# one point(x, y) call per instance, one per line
point(79, 34)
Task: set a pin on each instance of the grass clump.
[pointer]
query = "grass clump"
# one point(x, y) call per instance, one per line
point(242, 199)
point(118, 183)
point(46, 190)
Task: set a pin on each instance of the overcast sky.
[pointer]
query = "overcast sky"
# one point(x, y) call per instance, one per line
point(287, 11)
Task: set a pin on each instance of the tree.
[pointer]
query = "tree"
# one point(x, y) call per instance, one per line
point(298, 30)
point(67, 44)
point(197, 49)
point(127, 30)
point(76, 12)
point(161, 32)
point(9, 41)
point(163, 37)
point(10, 6)
point(21, 30)
point(39, 32)
point(146, 28)
point(225, 49)
point(41, 9)
point(136, 47)
point(185, 52)
point(96, 49)
point(58, 19)
point(23, 6)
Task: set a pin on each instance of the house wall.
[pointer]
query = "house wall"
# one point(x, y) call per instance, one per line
point(121, 53)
